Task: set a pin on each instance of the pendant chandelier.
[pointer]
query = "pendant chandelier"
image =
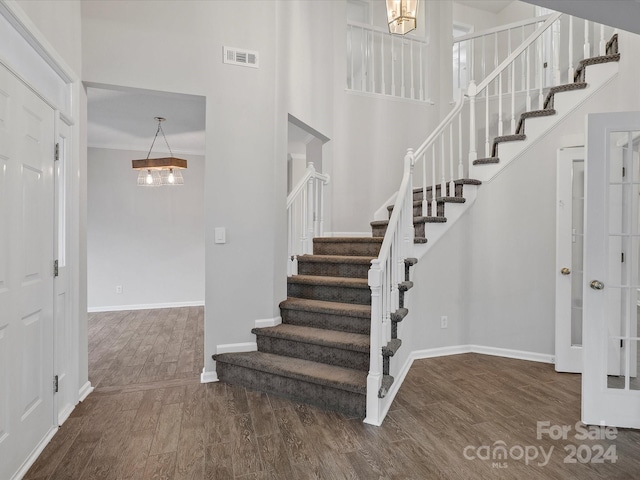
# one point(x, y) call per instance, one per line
point(401, 16)
point(156, 172)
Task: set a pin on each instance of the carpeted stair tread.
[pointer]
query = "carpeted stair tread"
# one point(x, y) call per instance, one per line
point(387, 381)
point(546, 112)
point(612, 44)
point(451, 199)
point(486, 161)
point(299, 369)
point(358, 260)
point(346, 240)
point(506, 138)
point(430, 220)
point(399, 314)
point(321, 306)
point(345, 282)
point(411, 261)
point(460, 181)
point(317, 336)
point(420, 240)
point(406, 285)
point(611, 57)
point(352, 246)
point(390, 349)
point(568, 87)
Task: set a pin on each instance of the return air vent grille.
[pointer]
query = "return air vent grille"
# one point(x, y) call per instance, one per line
point(236, 56)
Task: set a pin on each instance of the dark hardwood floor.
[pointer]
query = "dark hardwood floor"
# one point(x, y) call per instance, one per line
point(150, 418)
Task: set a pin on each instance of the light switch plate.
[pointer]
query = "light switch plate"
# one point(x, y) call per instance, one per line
point(220, 235)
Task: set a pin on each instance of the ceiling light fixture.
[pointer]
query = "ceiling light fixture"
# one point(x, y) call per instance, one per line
point(401, 16)
point(155, 172)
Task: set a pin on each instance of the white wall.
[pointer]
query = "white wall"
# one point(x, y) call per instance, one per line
point(148, 240)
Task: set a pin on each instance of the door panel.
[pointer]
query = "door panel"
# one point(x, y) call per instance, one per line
point(26, 260)
point(610, 394)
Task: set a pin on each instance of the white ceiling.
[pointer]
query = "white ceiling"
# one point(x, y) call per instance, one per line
point(493, 6)
point(124, 119)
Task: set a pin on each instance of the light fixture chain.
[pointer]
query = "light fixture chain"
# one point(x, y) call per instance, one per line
point(154, 140)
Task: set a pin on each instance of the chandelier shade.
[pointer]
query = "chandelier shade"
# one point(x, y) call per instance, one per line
point(402, 16)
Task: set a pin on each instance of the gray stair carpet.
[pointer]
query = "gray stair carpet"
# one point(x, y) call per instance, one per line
point(579, 82)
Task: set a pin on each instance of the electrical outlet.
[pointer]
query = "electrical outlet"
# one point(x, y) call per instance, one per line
point(118, 288)
point(444, 321)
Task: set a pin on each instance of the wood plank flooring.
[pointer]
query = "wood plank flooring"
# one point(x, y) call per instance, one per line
point(150, 418)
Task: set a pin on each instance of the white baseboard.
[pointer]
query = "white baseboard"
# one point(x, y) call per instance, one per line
point(84, 392)
point(347, 234)
point(145, 306)
point(237, 347)
point(517, 354)
point(440, 352)
point(22, 471)
point(62, 416)
point(208, 377)
point(267, 322)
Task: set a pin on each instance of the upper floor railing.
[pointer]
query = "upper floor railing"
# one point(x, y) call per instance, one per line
point(384, 64)
point(305, 215)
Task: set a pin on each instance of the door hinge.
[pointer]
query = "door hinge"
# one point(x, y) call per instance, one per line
point(55, 268)
point(56, 155)
point(55, 384)
point(622, 257)
point(621, 343)
point(624, 171)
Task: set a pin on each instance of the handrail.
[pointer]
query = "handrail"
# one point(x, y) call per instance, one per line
point(310, 173)
point(502, 28)
point(516, 53)
point(440, 128)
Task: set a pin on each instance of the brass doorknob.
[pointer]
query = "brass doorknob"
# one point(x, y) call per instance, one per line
point(565, 271)
point(597, 285)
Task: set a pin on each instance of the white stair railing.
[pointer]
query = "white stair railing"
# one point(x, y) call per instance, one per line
point(384, 64)
point(446, 156)
point(305, 215)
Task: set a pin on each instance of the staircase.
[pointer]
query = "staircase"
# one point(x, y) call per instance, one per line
point(340, 321)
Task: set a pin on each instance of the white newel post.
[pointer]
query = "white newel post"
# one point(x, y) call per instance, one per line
point(310, 212)
point(374, 379)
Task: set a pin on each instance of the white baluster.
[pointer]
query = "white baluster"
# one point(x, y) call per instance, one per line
point(459, 72)
point(393, 66)
point(372, 55)
point(321, 210)
point(556, 52)
point(421, 76)
point(540, 74)
point(443, 181)
point(471, 92)
point(470, 61)
point(382, 65)
point(432, 203)
point(522, 60)
point(310, 219)
point(484, 50)
point(363, 76)
point(528, 87)
point(289, 243)
point(402, 86)
point(303, 222)
point(495, 63)
point(460, 164)
point(500, 104)
point(413, 95)
point(451, 175)
point(571, 69)
point(587, 45)
point(513, 97)
point(486, 122)
point(603, 43)
point(351, 56)
point(425, 204)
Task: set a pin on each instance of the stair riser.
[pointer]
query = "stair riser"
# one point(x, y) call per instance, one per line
point(379, 231)
point(349, 403)
point(333, 269)
point(346, 248)
point(315, 353)
point(327, 321)
point(417, 211)
point(330, 293)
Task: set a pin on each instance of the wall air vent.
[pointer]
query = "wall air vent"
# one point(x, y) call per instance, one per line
point(236, 56)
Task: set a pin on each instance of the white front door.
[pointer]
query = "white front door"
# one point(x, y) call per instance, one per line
point(569, 243)
point(610, 384)
point(26, 272)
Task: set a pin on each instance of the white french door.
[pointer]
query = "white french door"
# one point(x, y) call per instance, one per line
point(569, 249)
point(610, 384)
point(26, 272)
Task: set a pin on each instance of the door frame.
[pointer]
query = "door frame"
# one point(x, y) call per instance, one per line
point(29, 55)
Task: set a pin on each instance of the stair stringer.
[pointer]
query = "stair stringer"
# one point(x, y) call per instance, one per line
point(537, 127)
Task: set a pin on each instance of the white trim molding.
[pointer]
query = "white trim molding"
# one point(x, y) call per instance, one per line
point(145, 306)
point(22, 471)
point(208, 377)
point(268, 322)
point(84, 392)
point(237, 347)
